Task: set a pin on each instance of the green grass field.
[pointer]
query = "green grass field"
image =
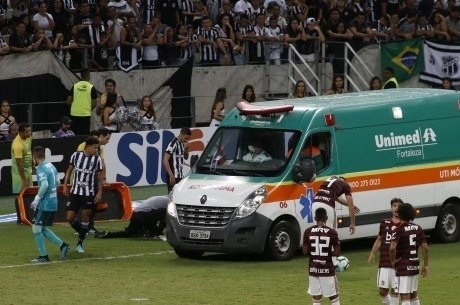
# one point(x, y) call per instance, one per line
point(146, 271)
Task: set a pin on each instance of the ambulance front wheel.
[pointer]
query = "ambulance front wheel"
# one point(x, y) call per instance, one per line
point(282, 241)
point(447, 226)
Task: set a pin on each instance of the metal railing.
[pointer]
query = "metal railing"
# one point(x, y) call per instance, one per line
point(294, 56)
point(43, 120)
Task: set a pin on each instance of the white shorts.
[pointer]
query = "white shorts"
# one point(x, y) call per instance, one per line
point(325, 286)
point(386, 278)
point(331, 215)
point(407, 284)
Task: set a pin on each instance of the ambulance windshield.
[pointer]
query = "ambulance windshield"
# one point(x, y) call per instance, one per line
point(248, 152)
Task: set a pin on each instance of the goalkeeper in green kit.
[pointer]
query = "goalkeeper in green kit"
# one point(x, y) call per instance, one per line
point(45, 206)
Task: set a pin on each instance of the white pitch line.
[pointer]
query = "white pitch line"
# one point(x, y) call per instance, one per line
point(88, 259)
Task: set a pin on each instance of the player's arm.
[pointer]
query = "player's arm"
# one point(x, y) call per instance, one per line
point(22, 173)
point(345, 203)
point(100, 184)
point(305, 245)
point(42, 188)
point(56, 176)
point(336, 251)
point(68, 173)
point(166, 158)
point(375, 248)
point(351, 211)
point(186, 144)
point(424, 247)
point(93, 97)
point(70, 97)
point(104, 172)
point(393, 253)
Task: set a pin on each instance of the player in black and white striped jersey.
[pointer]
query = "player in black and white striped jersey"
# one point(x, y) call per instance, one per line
point(173, 158)
point(86, 189)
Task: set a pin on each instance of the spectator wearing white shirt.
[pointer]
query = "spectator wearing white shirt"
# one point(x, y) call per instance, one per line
point(276, 12)
point(281, 3)
point(243, 7)
point(4, 48)
point(43, 20)
point(125, 8)
point(275, 48)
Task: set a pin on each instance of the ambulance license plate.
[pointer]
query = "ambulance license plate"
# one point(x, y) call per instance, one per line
point(200, 234)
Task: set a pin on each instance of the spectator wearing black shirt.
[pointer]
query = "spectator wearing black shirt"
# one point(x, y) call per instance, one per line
point(362, 34)
point(390, 7)
point(83, 18)
point(20, 41)
point(314, 36)
point(61, 17)
point(169, 11)
point(40, 42)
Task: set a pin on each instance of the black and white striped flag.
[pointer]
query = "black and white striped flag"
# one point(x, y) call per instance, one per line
point(441, 60)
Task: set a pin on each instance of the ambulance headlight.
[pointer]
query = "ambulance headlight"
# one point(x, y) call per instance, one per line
point(252, 202)
point(171, 207)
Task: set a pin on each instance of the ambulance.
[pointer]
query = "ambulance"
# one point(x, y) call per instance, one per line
point(388, 143)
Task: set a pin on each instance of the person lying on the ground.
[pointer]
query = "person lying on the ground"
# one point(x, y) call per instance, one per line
point(148, 219)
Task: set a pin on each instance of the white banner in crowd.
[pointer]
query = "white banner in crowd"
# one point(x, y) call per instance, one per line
point(441, 60)
point(135, 158)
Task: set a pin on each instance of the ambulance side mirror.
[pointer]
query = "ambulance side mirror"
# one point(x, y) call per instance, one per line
point(304, 170)
point(193, 160)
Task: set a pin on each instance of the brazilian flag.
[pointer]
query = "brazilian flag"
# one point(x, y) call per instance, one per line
point(405, 57)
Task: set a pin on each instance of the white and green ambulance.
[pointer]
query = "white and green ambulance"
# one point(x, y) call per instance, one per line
point(389, 143)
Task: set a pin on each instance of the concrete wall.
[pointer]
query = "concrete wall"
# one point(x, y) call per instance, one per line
point(206, 80)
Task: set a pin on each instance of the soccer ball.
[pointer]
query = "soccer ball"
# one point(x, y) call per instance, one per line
point(341, 263)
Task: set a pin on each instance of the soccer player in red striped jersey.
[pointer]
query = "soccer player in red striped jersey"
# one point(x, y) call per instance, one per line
point(409, 237)
point(386, 278)
point(321, 243)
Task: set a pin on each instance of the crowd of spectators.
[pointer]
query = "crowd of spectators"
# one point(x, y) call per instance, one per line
point(93, 33)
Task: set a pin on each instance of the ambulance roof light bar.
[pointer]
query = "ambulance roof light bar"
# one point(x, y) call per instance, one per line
point(246, 108)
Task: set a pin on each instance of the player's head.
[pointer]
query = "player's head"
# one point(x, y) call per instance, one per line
point(321, 215)
point(185, 134)
point(24, 130)
point(104, 135)
point(395, 203)
point(406, 212)
point(38, 154)
point(91, 145)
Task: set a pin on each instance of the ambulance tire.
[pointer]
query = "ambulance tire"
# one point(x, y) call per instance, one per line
point(189, 254)
point(282, 241)
point(448, 224)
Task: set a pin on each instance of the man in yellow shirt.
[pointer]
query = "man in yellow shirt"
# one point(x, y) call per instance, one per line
point(82, 99)
point(21, 158)
point(390, 81)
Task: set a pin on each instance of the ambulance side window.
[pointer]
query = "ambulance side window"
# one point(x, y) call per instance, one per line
point(318, 147)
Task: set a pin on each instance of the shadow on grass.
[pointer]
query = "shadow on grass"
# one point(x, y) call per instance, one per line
point(363, 244)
